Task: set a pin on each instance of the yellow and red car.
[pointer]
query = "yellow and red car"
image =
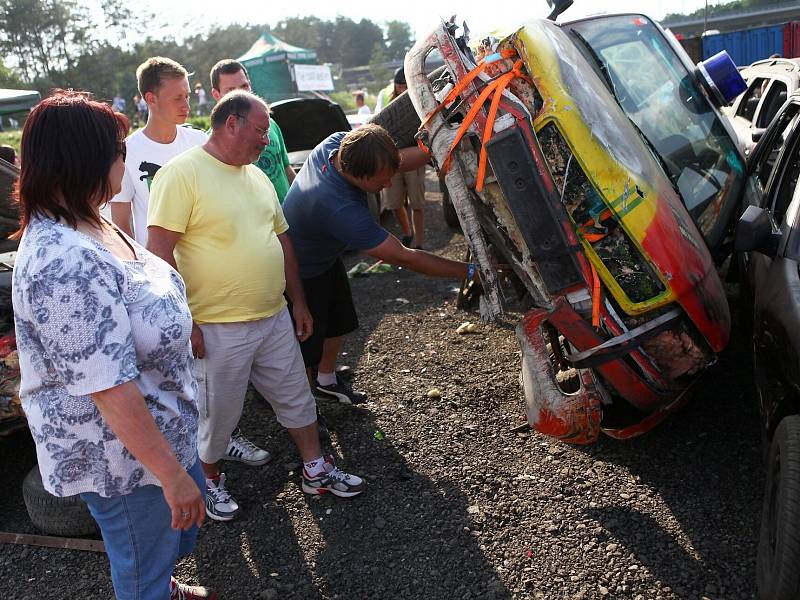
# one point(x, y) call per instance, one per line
point(591, 155)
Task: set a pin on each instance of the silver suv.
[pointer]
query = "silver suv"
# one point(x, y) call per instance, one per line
point(769, 83)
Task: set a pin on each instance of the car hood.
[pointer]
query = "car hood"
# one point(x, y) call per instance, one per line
point(305, 122)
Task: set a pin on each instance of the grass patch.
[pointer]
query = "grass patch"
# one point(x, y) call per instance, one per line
point(11, 138)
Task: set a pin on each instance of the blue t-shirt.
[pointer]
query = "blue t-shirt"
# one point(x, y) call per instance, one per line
point(327, 214)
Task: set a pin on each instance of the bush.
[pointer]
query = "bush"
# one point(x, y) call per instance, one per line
point(11, 138)
point(202, 123)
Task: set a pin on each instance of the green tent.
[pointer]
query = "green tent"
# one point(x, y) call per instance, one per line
point(14, 101)
point(269, 62)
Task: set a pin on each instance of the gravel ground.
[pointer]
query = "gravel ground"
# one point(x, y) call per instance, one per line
point(457, 505)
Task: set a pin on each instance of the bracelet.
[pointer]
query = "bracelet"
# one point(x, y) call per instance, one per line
point(470, 271)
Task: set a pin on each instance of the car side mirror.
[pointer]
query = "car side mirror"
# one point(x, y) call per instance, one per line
point(558, 7)
point(757, 133)
point(754, 232)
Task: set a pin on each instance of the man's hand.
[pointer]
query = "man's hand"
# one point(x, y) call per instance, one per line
point(303, 321)
point(198, 345)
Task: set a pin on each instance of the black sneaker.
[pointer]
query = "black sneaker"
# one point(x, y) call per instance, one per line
point(344, 372)
point(339, 392)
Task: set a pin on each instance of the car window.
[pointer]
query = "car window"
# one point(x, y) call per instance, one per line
point(786, 178)
point(775, 98)
point(766, 153)
point(752, 97)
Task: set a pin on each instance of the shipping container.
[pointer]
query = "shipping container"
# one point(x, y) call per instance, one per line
point(791, 40)
point(748, 45)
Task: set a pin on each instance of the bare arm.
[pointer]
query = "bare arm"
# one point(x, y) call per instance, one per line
point(161, 242)
point(124, 409)
point(412, 158)
point(294, 289)
point(393, 252)
point(290, 174)
point(121, 216)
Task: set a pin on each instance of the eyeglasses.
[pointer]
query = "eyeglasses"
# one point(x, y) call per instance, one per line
point(264, 133)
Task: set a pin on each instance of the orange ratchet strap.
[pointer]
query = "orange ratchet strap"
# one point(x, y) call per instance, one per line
point(495, 87)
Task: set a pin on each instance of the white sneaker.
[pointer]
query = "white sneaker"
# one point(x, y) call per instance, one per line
point(220, 505)
point(244, 451)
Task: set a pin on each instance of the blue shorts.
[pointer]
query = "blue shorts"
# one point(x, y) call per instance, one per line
point(141, 545)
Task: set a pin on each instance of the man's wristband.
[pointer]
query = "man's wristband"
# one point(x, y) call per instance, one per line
point(470, 270)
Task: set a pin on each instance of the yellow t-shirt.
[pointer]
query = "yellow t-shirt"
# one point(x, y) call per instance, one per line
point(229, 253)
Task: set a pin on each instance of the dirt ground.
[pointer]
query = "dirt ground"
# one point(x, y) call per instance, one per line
point(457, 505)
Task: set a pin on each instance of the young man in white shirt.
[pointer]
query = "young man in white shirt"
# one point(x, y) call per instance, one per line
point(164, 86)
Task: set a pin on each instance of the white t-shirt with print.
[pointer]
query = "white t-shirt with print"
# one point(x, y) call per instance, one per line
point(144, 158)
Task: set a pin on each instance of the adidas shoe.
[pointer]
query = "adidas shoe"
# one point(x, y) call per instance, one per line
point(244, 451)
point(334, 481)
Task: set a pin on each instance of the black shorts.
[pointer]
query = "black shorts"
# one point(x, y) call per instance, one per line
point(331, 306)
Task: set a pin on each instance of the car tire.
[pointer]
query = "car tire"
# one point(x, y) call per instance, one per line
point(374, 204)
point(400, 119)
point(778, 562)
point(66, 516)
point(448, 210)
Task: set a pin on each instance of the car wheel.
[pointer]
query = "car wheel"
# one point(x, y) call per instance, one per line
point(64, 516)
point(448, 210)
point(400, 119)
point(778, 562)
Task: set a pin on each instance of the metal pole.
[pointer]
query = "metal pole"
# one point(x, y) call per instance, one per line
point(705, 18)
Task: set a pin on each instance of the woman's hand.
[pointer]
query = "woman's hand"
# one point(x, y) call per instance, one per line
point(184, 500)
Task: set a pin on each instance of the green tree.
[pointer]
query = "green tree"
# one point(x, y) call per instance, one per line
point(381, 74)
point(398, 39)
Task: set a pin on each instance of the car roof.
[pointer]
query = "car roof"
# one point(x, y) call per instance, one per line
point(772, 66)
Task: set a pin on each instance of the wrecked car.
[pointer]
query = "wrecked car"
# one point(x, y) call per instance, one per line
point(592, 158)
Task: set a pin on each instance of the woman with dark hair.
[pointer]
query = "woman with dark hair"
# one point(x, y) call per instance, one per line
point(103, 337)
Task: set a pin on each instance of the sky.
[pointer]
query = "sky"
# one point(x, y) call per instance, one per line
point(175, 18)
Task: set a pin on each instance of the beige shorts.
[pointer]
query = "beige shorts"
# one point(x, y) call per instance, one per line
point(265, 352)
point(411, 185)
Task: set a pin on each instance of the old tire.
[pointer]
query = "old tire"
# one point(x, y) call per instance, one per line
point(66, 516)
point(400, 119)
point(778, 562)
point(448, 210)
point(374, 204)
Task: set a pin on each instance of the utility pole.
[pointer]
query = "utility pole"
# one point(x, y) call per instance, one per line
point(705, 18)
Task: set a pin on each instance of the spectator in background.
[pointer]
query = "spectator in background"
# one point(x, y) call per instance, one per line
point(215, 216)
point(103, 332)
point(406, 186)
point(228, 75)
point(361, 106)
point(202, 102)
point(118, 104)
point(164, 86)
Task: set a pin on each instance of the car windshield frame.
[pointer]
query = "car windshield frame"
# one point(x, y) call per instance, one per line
point(660, 96)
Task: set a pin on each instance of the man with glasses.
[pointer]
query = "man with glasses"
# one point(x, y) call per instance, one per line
point(228, 75)
point(215, 217)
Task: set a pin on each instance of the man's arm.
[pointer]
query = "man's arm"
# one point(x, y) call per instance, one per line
point(393, 252)
point(290, 174)
point(121, 216)
point(161, 242)
point(412, 158)
point(294, 289)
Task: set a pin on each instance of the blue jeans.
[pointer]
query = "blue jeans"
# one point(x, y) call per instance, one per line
point(141, 545)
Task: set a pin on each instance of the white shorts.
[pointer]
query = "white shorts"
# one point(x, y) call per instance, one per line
point(265, 352)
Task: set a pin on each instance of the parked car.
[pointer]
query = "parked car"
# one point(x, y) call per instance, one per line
point(768, 239)
point(769, 83)
point(305, 122)
point(609, 181)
